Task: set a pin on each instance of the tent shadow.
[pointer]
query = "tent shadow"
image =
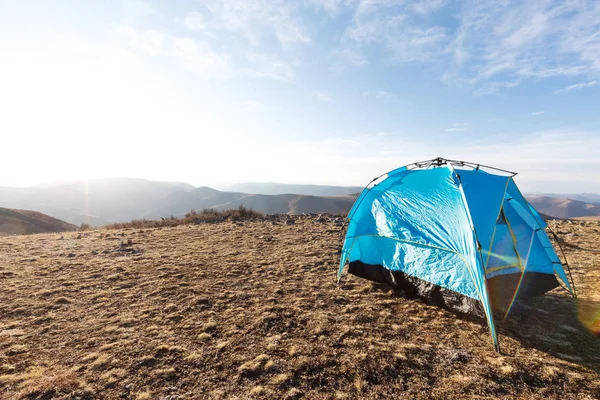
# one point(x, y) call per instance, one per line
point(558, 325)
point(554, 323)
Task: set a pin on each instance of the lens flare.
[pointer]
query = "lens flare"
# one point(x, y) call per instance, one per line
point(589, 315)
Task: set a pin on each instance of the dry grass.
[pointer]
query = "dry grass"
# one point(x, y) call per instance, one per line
point(250, 309)
point(192, 217)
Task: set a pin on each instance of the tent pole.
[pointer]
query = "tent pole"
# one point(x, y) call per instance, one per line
point(566, 261)
point(490, 314)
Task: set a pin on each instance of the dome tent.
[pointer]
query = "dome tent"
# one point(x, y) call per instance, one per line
point(454, 234)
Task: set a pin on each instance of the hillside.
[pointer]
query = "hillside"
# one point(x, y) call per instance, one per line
point(21, 222)
point(251, 310)
point(95, 202)
point(585, 197)
point(100, 202)
point(281, 188)
point(563, 207)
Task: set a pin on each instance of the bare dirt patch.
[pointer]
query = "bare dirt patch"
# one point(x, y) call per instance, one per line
point(251, 310)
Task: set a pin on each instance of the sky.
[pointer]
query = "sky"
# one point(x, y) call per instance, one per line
point(336, 92)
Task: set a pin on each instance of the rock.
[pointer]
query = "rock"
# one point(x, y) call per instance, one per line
point(12, 332)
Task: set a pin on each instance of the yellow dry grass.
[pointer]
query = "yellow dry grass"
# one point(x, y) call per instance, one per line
point(251, 310)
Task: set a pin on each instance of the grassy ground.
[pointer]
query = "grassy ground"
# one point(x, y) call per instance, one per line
point(251, 310)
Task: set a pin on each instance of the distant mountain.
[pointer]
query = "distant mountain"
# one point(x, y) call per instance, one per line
point(282, 188)
point(21, 222)
point(563, 207)
point(103, 201)
point(95, 202)
point(585, 197)
point(200, 198)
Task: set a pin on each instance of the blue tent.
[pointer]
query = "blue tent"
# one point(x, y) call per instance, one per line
point(454, 232)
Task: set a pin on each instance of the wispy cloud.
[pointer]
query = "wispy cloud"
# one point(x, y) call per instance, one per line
point(495, 46)
point(199, 57)
point(148, 42)
point(268, 66)
point(381, 95)
point(194, 21)
point(347, 56)
point(427, 6)
point(488, 48)
point(392, 24)
point(322, 96)
point(189, 54)
point(139, 7)
point(538, 113)
point(551, 161)
point(327, 5)
point(494, 87)
point(506, 42)
point(458, 127)
point(254, 107)
point(254, 19)
point(361, 140)
point(576, 87)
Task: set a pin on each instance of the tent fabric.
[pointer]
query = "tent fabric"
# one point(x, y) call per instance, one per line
point(451, 227)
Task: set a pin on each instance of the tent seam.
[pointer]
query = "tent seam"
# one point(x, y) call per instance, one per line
point(497, 216)
point(489, 316)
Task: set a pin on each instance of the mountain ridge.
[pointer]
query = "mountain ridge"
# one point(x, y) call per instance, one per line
point(22, 222)
point(103, 201)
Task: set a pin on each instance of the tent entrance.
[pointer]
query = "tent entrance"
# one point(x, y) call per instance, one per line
point(415, 287)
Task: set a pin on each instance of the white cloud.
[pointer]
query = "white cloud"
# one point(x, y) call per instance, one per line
point(149, 42)
point(254, 107)
point(198, 58)
point(494, 87)
point(427, 6)
point(498, 44)
point(556, 161)
point(538, 113)
point(194, 22)
point(485, 46)
point(495, 44)
point(381, 95)
point(268, 66)
point(189, 54)
point(322, 96)
point(385, 23)
point(458, 127)
point(139, 7)
point(255, 18)
point(576, 87)
point(328, 5)
point(346, 56)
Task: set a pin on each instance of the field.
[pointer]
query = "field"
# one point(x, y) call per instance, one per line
point(241, 310)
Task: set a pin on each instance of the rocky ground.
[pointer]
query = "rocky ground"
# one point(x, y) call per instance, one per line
point(240, 310)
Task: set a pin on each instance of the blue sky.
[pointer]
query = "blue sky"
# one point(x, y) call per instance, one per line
point(315, 91)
